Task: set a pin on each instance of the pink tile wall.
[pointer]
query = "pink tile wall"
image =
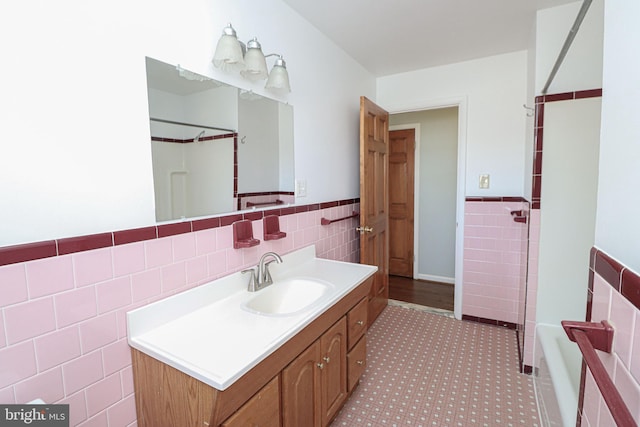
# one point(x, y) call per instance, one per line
point(493, 261)
point(62, 319)
point(623, 363)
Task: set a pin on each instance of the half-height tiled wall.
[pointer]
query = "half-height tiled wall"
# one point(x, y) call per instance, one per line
point(536, 205)
point(532, 290)
point(614, 295)
point(63, 335)
point(495, 245)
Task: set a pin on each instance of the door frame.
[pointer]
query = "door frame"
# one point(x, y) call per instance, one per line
point(462, 103)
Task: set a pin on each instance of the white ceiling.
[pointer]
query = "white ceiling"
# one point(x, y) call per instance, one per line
point(394, 36)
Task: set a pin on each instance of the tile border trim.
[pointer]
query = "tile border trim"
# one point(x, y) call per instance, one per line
point(619, 277)
point(493, 322)
point(495, 199)
point(190, 140)
point(267, 193)
point(540, 101)
point(50, 248)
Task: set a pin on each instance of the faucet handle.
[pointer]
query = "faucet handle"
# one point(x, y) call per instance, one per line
point(253, 285)
point(267, 279)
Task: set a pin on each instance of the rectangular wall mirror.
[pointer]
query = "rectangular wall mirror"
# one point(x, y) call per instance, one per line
point(215, 148)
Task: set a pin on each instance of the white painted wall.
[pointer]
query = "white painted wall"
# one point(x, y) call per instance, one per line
point(495, 89)
point(258, 146)
point(75, 133)
point(217, 107)
point(571, 137)
point(285, 130)
point(617, 229)
point(582, 67)
point(435, 193)
point(568, 212)
point(529, 136)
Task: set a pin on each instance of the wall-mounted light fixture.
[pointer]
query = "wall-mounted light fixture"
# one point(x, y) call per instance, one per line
point(229, 54)
point(232, 55)
point(278, 77)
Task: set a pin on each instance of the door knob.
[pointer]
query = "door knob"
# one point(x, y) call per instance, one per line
point(326, 359)
point(320, 365)
point(364, 229)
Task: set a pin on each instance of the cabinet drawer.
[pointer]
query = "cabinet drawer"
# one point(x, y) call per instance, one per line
point(263, 409)
point(356, 362)
point(357, 322)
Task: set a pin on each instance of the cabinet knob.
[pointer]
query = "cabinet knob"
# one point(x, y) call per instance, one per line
point(326, 359)
point(360, 322)
point(360, 362)
point(320, 365)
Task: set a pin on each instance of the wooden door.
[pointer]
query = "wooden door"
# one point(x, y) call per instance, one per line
point(301, 397)
point(333, 345)
point(374, 201)
point(401, 201)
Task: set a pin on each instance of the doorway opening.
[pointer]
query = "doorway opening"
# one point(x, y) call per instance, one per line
point(426, 200)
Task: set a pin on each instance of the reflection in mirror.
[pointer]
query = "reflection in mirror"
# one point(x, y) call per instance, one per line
point(215, 148)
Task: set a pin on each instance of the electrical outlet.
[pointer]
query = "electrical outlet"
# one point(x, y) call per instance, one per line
point(484, 181)
point(301, 188)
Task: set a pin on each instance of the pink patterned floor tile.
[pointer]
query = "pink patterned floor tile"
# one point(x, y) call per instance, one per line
point(425, 369)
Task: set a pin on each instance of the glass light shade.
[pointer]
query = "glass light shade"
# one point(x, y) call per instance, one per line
point(279, 77)
point(255, 65)
point(228, 54)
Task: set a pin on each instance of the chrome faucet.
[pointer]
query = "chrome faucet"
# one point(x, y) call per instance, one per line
point(263, 278)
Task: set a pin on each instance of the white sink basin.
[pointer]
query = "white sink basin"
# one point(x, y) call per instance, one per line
point(288, 296)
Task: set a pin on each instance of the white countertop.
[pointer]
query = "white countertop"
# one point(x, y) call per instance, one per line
point(205, 333)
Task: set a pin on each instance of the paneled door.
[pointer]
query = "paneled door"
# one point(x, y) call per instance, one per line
point(374, 200)
point(401, 201)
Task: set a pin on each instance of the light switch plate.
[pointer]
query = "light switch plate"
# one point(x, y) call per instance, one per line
point(301, 188)
point(484, 181)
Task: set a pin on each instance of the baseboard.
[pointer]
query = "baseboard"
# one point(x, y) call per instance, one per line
point(493, 322)
point(440, 279)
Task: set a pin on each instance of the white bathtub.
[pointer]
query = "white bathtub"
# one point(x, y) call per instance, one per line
point(557, 381)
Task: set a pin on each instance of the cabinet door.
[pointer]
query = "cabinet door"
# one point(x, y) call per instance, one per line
point(334, 372)
point(378, 298)
point(262, 410)
point(301, 390)
point(357, 362)
point(357, 322)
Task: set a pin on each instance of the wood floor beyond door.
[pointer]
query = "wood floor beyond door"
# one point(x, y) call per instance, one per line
point(422, 292)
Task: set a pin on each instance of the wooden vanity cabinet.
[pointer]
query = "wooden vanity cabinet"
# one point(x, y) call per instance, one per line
point(314, 385)
point(356, 363)
point(378, 296)
point(357, 322)
point(262, 410)
point(333, 372)
point(301, 398)
point(357, 355)
point(288, 388)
